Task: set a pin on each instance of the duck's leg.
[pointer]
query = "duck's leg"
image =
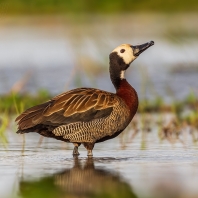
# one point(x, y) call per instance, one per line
point(75, 151)
point(89, 147)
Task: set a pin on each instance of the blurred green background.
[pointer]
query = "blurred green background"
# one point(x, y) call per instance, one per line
point(89, 6)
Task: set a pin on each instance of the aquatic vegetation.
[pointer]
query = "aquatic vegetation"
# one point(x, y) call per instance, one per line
point(4, 123)
point(14, 103)
point(186, 109)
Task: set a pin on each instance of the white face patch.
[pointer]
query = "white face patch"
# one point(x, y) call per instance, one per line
point(126, 52)
point(122, 74)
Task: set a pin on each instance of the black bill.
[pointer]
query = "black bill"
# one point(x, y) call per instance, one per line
point(138, 49)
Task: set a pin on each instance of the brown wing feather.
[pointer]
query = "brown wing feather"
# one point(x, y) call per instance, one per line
point(32, 116)
point(82, 104)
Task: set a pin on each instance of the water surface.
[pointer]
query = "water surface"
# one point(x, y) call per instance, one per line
point(135, 164)
point(60, 53)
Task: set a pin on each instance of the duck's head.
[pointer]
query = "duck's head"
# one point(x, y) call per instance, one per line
point(122, 56)
point(126, 53)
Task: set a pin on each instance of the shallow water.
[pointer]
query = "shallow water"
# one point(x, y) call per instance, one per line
point(132, 165)
point(59, 54)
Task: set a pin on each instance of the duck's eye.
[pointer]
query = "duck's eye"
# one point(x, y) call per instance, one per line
point(122, 50)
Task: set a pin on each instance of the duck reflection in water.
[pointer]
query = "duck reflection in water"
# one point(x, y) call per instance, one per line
point(79, 181)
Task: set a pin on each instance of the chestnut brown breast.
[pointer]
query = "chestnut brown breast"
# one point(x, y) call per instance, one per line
point(129, 96)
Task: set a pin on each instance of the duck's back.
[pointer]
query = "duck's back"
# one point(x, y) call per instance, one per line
point(79, 115)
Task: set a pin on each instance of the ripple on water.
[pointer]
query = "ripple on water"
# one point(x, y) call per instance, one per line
point(144, 170)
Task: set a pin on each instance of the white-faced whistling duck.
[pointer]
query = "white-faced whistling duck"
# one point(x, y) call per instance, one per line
point(88, 115)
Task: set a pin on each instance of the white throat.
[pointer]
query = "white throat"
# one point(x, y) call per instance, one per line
point(122, 74)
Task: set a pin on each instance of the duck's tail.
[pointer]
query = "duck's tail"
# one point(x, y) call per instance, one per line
point(30, 119)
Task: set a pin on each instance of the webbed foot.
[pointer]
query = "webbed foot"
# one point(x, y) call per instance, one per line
point(75, 151)
point(89, 147)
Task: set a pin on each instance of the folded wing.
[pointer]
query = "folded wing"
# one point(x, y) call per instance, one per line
point(78, 105)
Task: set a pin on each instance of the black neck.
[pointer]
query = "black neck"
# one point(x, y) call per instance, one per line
point(115, 77)
point(116, 65)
